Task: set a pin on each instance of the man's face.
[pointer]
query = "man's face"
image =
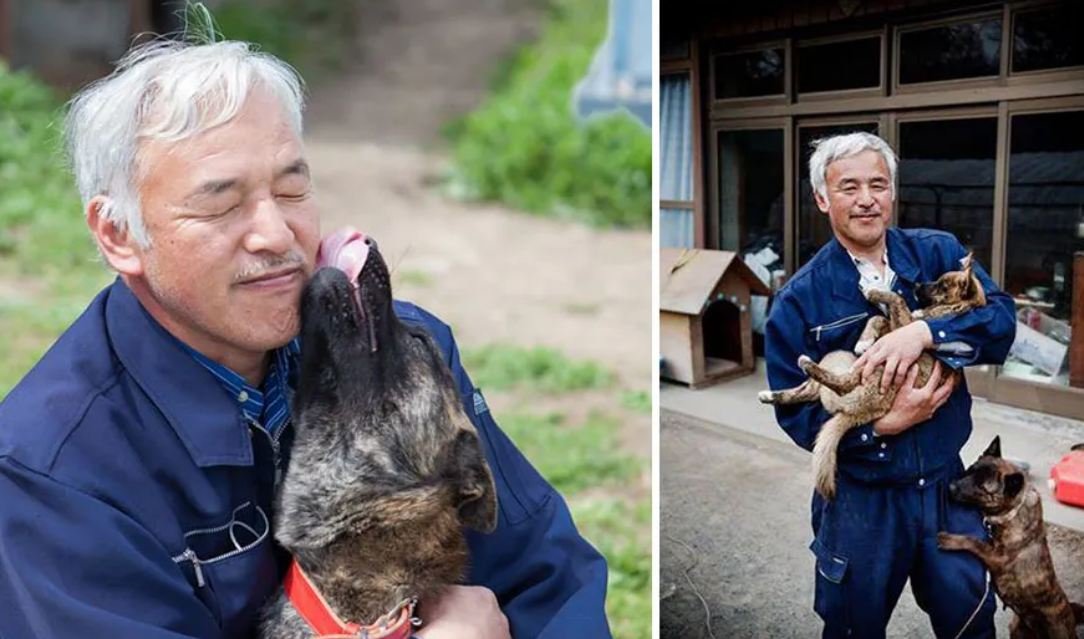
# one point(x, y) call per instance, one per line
point(859, 203)
point(234, 231)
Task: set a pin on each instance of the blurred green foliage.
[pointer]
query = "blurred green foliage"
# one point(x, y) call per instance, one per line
point(312, 35)
point(48, 268)
point(524, 147)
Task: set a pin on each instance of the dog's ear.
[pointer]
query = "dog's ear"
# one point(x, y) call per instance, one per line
point(476, 495)
point(1014, 483)
point(994, 449)
point(965, 262)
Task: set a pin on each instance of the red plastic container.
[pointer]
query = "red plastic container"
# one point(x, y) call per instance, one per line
point(1067, 479)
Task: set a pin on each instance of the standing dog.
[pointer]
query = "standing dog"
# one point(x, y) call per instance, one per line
point(841, 390)
point(385, 468)
point(1017, 554)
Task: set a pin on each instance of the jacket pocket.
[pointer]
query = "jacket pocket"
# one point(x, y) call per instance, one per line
point(834, 325)
point(830, 594)
point(234, 566)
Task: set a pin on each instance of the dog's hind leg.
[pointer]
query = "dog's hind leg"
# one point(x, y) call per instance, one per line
point(807, 392)
point(825, 452)
point(840, 383)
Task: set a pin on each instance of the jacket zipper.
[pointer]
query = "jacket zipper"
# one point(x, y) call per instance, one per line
point(275, 448)
point(190, 555)
point(836, 324)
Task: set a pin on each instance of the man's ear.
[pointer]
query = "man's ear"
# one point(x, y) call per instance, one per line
point(822, 201)
point(994, 449)
point(1014, 483)
point(476, 495)
point(116, 245)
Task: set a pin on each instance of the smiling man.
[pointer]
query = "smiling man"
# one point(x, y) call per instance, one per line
point(881, 529)
point(140, 456)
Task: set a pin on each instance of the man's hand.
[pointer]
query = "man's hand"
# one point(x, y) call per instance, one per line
point(897, 350)
point(463, 612)
point(916, 405)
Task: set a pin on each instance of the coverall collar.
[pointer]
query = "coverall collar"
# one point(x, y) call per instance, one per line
point(844, 274)
point(205, 418)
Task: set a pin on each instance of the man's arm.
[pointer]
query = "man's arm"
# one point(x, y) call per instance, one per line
point(982, 335)
point(549, 580)
point(74, 566)
point(784, 340)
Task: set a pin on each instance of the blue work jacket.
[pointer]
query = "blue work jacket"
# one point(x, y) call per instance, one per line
point(135, 500)
point(821, 309)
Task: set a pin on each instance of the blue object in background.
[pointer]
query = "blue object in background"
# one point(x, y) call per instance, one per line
point(620, 74)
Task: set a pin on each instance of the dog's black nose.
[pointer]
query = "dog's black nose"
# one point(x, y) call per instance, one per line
point(371, 243)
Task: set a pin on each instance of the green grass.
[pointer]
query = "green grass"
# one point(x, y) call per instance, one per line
point(523, 146)
point(637, 401)
point(586, 464)
point(573, 457)
point(621, 530)
point(503, 367)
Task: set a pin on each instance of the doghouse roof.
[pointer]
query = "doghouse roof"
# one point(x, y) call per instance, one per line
point(687, 277)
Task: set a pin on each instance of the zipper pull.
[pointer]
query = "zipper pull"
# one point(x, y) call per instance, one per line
point(190, 555)
point(818, 330)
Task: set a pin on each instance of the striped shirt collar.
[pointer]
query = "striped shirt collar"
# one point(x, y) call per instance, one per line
point(270, 407)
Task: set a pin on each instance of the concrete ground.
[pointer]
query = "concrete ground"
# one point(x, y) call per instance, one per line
point(734, 513)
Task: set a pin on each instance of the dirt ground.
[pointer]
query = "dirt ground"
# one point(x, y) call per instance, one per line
point(494, 274)
point(735, 529)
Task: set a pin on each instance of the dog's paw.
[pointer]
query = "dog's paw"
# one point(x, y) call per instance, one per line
point(804, 362)
point(766, 397)
point(918, 314)
point(863, 346)
point(947, 541)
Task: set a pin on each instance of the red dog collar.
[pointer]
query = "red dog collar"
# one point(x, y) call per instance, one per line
point(398, 623)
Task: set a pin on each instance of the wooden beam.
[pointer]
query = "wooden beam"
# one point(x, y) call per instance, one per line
point(1076, 343)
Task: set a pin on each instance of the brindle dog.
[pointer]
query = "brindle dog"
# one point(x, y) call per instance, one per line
point(841, 390)
point(385, 468)
point(1017, 554)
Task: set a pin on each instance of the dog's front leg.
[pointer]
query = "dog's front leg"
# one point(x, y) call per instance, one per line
point(981, 549)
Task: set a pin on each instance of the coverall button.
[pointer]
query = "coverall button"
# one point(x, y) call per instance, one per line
point(941, 334)
point(921, 481)
point(881, 455)
point(884, 445)
point(242, 396)
point(865, 437)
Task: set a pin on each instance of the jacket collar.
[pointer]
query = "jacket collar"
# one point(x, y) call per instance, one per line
point(207, 421)
point(844, 274)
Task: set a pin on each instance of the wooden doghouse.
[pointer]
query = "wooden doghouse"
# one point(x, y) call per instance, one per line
point(705, 325)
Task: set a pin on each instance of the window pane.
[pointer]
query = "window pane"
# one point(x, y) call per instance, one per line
point(946, 179)
point(1045, 227)
point(675, 228)
point(675, 138)
point(854, 64)
point(814, 231)
point(749, 74)
point(1048, 38)
point(751, 191)
point(950, 52)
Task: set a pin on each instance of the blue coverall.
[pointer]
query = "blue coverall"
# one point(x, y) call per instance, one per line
point(135, 500)
point(892, 491)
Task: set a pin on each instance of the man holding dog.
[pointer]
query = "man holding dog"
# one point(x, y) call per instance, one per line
point(139, 458)
point(881, 528)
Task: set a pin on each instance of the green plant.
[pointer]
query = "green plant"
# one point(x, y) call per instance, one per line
point(524, 147)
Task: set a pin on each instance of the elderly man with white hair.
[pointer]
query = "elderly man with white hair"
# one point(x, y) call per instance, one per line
point(139, 457)
point(881, 528)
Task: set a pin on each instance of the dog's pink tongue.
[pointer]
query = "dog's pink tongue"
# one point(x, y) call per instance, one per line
point(345, 250)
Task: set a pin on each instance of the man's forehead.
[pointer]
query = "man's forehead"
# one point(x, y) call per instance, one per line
point(867, 164)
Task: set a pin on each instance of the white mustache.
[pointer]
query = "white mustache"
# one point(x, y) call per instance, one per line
point(293, 259)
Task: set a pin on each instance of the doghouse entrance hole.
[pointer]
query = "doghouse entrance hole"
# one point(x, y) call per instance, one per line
point(722, 337)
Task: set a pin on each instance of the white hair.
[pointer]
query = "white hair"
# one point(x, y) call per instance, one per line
point(164, 90)
point(837, 147)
